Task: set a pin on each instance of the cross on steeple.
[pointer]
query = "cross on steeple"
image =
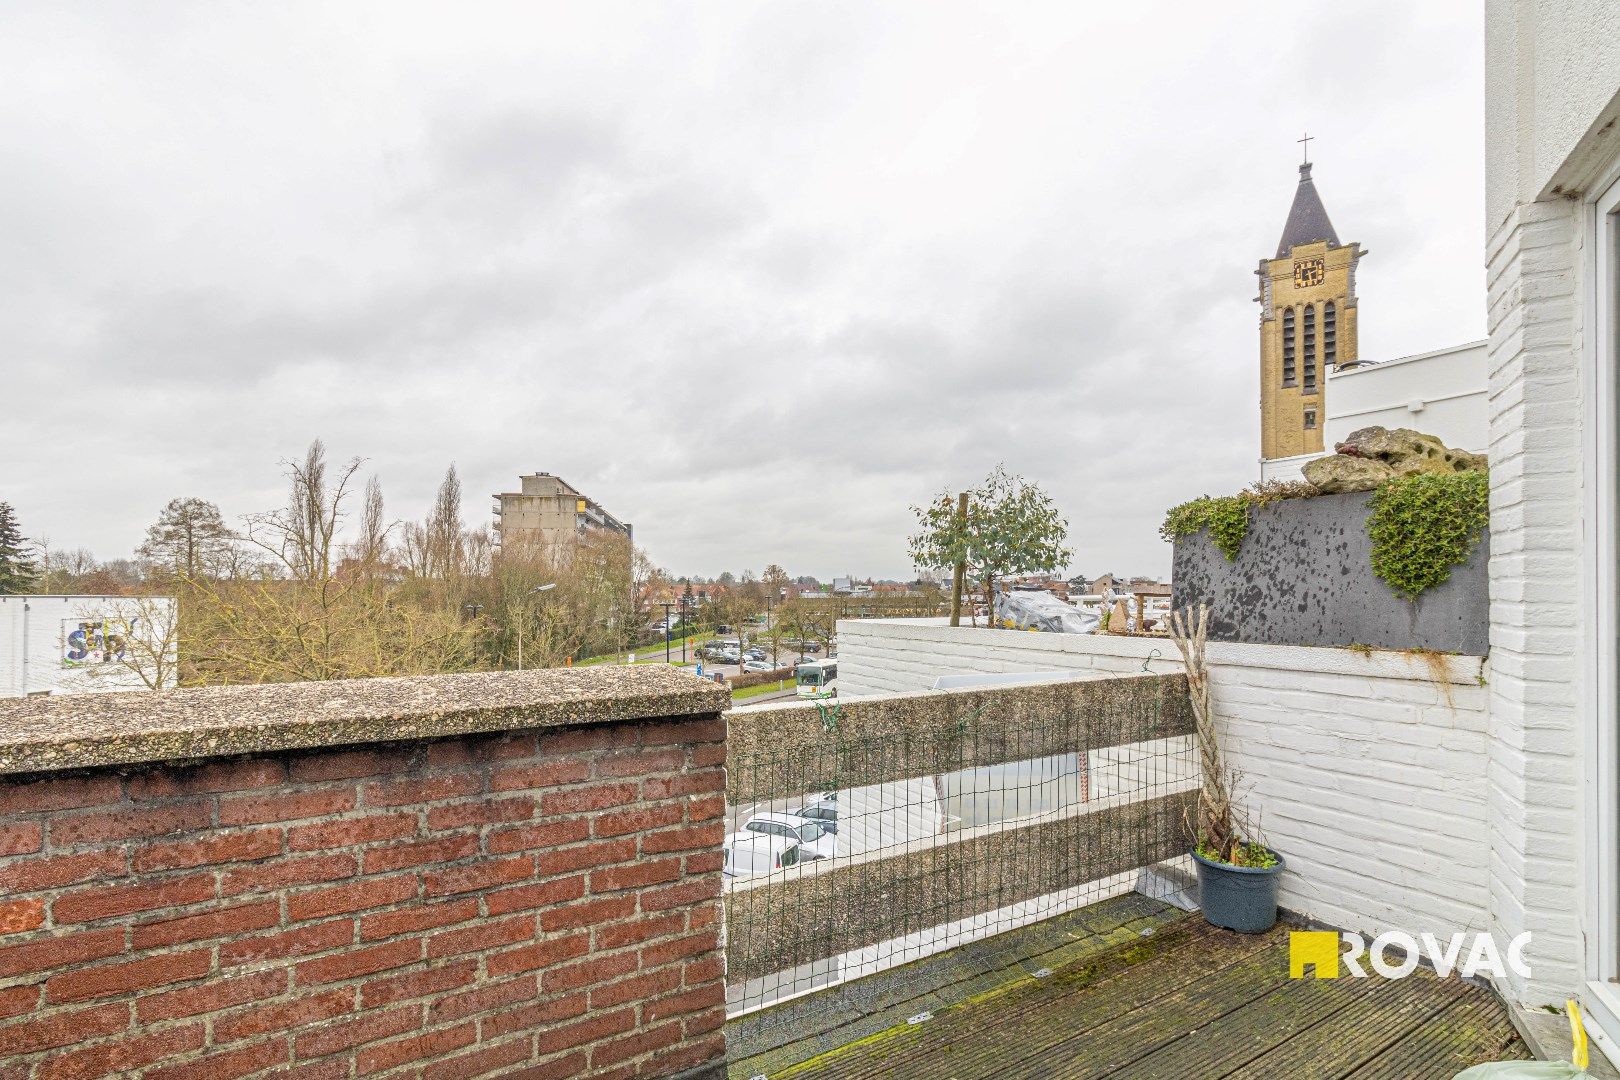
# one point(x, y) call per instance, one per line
point(1306, 142)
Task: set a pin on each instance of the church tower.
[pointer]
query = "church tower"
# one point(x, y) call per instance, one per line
point(1307, 324)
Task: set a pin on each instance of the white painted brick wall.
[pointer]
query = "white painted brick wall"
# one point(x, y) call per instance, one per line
point(1367, 771)
point(1535, 809)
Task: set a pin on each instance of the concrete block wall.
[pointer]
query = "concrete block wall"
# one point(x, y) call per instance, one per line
point(537, 902)
point(1366, 771)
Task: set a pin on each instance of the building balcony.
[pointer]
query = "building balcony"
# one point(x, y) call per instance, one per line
point(577, 871)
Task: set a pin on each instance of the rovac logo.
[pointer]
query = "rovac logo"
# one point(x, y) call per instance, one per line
point(1395, 955)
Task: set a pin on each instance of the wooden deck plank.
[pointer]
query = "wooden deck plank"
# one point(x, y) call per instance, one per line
point(1471, 1030)
point(768, 1041)
point(997, 1043)
point(1100, 1051)
point(1301, 1017)
point(1041, 1011)
point(1357, 1033)
point(1198, 1003)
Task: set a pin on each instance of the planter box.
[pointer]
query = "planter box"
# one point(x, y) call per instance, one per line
point(1304, 577)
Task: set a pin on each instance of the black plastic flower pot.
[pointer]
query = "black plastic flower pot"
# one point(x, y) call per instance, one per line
point(1241, 898)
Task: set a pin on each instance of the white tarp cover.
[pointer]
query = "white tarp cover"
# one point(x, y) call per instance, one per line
point(1043, 611)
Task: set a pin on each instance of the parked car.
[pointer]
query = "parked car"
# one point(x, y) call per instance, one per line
point(760, 666)
point(823, 812)
point(817, 842)
point(724, 651)
point(751, 853)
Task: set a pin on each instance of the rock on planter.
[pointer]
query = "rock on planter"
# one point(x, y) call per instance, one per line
point(1241, 898)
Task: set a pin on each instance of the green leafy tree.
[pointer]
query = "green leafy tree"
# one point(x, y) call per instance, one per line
point(18, 570)
point(1012, 527)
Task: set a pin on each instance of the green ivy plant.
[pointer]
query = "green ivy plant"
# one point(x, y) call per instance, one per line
point(1425, 524)
point(1227, 516)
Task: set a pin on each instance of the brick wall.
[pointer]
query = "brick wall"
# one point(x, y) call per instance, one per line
point(1537, 620)
point(539, 903)
point(1364, 771)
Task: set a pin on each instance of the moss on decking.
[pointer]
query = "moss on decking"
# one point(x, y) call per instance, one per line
point(1187, 1000)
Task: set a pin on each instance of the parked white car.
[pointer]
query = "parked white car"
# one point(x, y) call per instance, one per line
point(823, 812)
point(748, 854)
point(817, 842)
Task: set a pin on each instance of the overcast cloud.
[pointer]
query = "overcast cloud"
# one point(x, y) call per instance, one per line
point(755, 277)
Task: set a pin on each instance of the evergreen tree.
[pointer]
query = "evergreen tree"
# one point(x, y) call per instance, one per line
point(190, 539)
point(18, 571)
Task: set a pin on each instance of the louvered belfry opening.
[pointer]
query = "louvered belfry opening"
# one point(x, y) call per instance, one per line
point(1310, 348)
point(1288, 347)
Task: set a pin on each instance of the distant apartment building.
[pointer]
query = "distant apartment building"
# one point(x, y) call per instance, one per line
point(548, 510)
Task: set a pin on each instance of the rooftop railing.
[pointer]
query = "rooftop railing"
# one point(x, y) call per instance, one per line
point(958, 814)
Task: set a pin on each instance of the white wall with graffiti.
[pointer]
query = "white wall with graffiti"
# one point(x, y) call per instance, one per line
point(86, 644)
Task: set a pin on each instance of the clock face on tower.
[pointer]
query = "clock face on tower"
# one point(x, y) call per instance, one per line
point(1308, 272)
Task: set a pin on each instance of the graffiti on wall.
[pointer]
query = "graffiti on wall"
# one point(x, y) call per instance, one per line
point(87, 642)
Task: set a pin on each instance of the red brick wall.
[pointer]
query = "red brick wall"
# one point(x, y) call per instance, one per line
point(542, 904)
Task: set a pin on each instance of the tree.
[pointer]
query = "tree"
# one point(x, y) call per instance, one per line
point(18, 571)
point(299, 619)
point(1011, 527)
point(190, 538)
point(444, 533)
point(147, 634)
point(74, 571)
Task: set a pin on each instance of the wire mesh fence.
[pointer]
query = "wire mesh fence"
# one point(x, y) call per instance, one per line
point(869, 834)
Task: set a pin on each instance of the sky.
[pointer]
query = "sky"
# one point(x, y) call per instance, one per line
point(756, 277)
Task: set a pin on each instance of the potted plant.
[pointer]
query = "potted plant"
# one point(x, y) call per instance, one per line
point(1237, 874)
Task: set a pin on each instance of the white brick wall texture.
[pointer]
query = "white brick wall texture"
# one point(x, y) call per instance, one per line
point(1366, 771)
point(1535, 798)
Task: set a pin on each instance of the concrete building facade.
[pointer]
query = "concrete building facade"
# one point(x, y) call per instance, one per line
point(548, 510)
point(1442, 393)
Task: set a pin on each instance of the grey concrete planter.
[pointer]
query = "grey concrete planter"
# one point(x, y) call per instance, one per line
point(1304, 577)
point(1241, 898)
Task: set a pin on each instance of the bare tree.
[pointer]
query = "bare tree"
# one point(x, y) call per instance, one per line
point(302, 536)
point(444, 533)
point(369, 550)
point(299, 619)
point(140, 635)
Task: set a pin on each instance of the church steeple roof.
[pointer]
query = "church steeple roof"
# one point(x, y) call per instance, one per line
point(1307, 218)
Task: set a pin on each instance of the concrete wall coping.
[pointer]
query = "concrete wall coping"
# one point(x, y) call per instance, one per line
point(1371, 663)
point(44, 734)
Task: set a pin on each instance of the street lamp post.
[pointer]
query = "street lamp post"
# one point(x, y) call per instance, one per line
point(523, 616)
point(666, 606)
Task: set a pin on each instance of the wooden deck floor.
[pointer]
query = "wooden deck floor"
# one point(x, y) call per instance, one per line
point(1182, 1001)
